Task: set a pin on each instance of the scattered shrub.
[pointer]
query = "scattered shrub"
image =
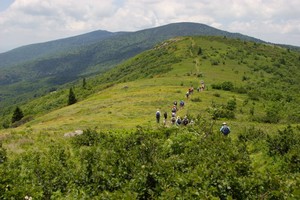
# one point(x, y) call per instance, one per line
point(200, 75)
point(245, 78)
point(216, 86)
point(293, 117)
point(88, 138)
point(253, 95)
point(219, 111)
point(231, 104)
point(197, 99)
point(214, 62)
point(252, 134)
point(240, 90)
point(272, 114)
point(3, 155)
point(282, 142)
point(22, 121)
point(227, 86)
point(217, 94)
point(292, 159)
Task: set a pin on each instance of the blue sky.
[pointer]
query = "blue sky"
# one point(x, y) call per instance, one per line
point(25, 22)
point(4, 4)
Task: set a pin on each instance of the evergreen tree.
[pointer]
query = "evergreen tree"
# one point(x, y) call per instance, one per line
point(84, 83)
point(3, 157)
point(17, 115)
point(72, 98)
point(199, 51)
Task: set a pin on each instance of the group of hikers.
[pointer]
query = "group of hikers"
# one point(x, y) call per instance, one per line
point(225, 129)
point(199, 89)
point(176, 120)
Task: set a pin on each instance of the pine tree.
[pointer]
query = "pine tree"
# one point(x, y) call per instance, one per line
point(17, 115)
point(3, 153)
point(72, 98)
point(84, 83)
point(199, 51)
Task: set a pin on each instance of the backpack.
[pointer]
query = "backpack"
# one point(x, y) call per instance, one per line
point(165, 115)
point(157, 114)
point(178, 121)
point(181, 103)
point(173, 120)
point(174, 110)
point(185, 121)
point(225, 130)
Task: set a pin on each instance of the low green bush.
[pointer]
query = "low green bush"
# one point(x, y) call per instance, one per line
point(164, 163)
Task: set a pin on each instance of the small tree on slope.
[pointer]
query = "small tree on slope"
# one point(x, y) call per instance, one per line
point(72, 99)
point(17, 115)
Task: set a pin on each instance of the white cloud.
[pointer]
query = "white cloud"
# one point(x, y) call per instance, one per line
point(30, 21)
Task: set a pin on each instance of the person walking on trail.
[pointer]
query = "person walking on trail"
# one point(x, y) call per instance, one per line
point(165, 118)
point(174, 109)
point(178, 121)
point(187, 94)
point(175, 103)
point(191, 90)
point(173, 120)
point(157, 116)
point(225, 129)
point(202, 85)
point(185, 121)
point(181, 104)
point(173, 114)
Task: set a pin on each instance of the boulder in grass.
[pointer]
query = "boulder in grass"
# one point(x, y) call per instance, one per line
point(72, 134)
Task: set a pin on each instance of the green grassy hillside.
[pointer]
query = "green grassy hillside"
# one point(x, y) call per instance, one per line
point(253, 87)
point(260, 78)
point(34, 70)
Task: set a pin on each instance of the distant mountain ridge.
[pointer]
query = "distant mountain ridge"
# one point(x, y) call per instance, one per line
point(75, 43)
point(34, 51)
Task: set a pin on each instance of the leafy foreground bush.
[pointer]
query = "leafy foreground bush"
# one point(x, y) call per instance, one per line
point(146, 164)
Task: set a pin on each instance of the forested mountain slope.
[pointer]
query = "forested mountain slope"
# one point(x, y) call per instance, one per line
point(51, 48)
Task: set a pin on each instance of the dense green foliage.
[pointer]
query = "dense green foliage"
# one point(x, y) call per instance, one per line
point(167, 163)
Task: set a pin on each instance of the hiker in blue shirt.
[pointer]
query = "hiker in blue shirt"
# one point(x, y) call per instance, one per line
point(178, 121)
point(181, 104)
point(157, 116)
point(225, 129)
